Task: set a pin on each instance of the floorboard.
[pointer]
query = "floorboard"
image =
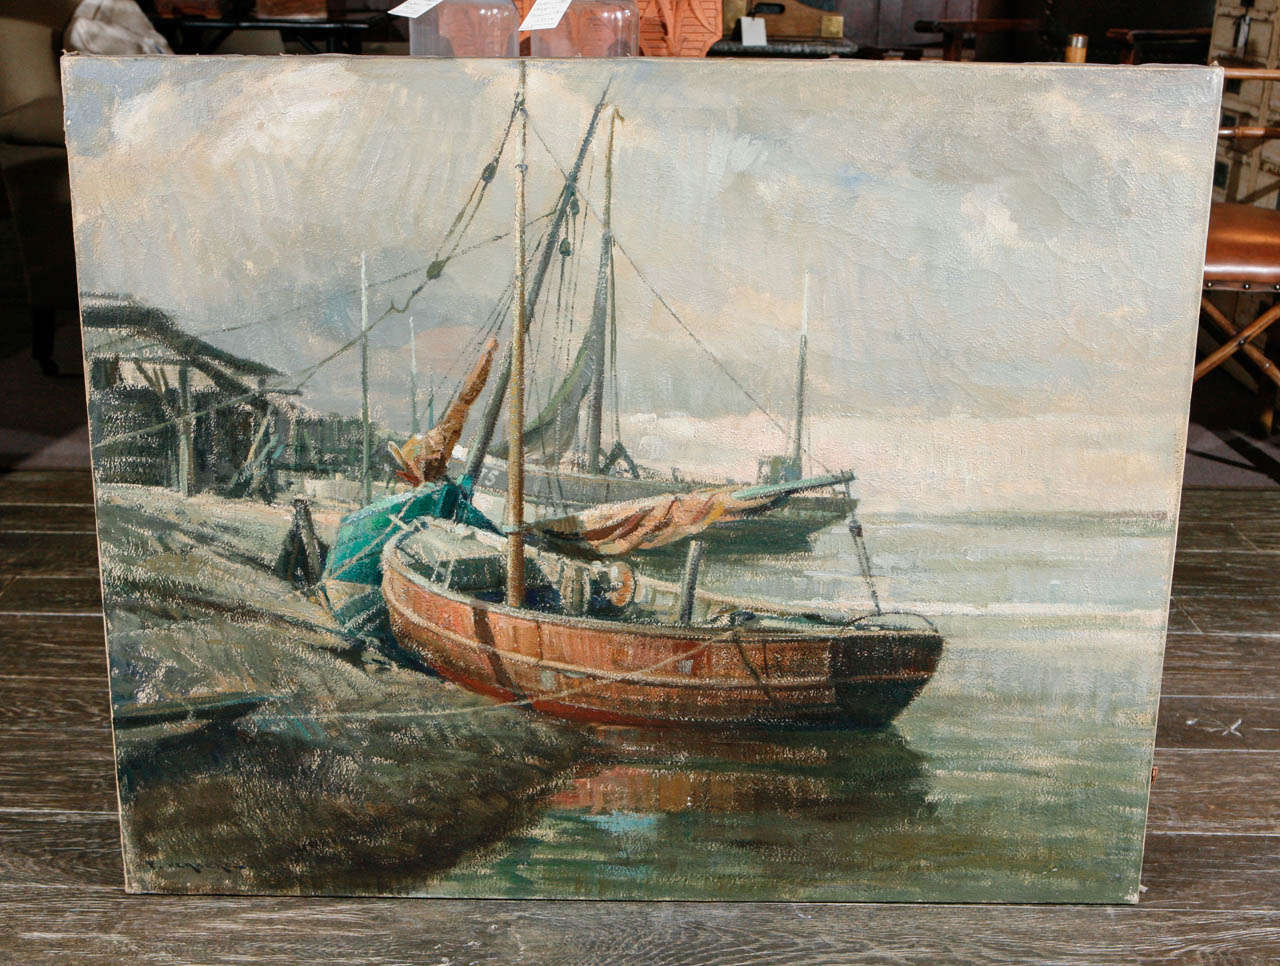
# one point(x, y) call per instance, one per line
point(284, 930)
point(38, 553)
point(44, 645)
point(27, 596)
point(44, 517)
point(1211, 873)
point(1223, 665)
point(46, 486)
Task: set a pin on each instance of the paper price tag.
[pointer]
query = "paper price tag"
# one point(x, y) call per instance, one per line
point(412, 8)
point(544, 14)
point(753, 32)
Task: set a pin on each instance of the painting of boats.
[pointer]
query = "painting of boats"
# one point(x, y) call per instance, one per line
point(628, 485)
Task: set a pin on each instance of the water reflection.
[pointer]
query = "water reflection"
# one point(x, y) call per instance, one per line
point(368, 804)
point(841, 774)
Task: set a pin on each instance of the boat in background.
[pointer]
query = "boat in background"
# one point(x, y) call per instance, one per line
point(566, 467)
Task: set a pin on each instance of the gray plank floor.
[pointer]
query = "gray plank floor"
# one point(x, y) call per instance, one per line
point(1211, 875)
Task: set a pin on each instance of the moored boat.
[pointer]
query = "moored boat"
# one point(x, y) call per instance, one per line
point(574, 631)
point(606, 645)
point(787, 529)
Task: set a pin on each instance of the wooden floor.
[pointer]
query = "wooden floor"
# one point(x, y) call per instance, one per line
point(1212, 871)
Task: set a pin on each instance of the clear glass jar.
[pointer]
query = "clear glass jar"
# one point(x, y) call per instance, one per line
point(466, 28)
point(591, 28)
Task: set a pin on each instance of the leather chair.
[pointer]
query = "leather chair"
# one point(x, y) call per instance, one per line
point(1243, 255)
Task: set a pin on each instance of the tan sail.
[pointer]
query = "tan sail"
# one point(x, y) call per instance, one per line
point(617, 529)
point(424, 456)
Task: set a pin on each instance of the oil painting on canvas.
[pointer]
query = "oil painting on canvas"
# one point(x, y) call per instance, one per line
point(637, 479)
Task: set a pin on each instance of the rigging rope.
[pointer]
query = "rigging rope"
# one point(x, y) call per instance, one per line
point(433, 271)
point(675, 316)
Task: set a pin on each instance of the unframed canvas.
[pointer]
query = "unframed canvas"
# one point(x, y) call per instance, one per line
point(722, 666)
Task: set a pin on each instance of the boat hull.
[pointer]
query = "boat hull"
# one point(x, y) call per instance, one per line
point(590, 670)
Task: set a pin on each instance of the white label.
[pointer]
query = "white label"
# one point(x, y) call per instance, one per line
point(545, 14)
point(412, 8)
point(752, 31)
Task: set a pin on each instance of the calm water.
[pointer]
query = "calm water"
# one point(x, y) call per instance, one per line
point(1020, 772)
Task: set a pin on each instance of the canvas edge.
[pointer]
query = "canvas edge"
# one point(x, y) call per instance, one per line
point(66, 71)
point(1214, 75)
point(69, 66)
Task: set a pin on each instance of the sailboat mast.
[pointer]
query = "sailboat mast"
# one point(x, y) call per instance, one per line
point(595, 402)
point(515, 397)
point(797, 434)
point(413, 380)
point(484, 435)
point(364, 381)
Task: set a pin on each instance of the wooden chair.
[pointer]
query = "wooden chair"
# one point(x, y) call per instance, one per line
point(954, 32)
point(1189, 45)
point(1242, 254)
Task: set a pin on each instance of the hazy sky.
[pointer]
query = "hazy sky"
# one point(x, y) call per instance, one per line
point(1004, 261)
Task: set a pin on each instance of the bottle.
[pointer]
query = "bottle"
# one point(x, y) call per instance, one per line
point(466, 28)
point(591, 28)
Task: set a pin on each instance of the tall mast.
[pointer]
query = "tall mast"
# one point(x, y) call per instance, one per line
point(364, 380)
point(413, 380)
point(515, 400)
point(797, 434)
point(595, 401)
point(493, 408)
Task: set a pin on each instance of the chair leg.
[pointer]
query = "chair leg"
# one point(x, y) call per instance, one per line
point(43, 321)
point(1268, 395)
point(1238, 339)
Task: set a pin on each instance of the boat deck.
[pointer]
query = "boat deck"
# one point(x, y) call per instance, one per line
point(1211, 874)
point(472, 562)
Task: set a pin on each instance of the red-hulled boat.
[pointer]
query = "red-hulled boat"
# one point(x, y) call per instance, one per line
point(594, 642)
point(622, 655)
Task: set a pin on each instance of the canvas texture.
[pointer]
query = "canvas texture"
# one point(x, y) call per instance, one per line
point(854, 403)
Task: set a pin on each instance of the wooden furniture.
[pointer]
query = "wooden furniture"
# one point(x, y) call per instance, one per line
point(192, 8)
point(1247, 36)
point(298, 9)
point(813, 49)
point(1184, 46)
point(785, 20)
point(1211, 875)
point(955, 32)
point(339, 35)
point(1242, 255)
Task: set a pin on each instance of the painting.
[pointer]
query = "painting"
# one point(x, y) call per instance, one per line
point(637, 479)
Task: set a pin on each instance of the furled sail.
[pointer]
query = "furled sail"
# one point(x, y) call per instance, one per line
point(617, 529)
point(424, 456)
point(551, 433)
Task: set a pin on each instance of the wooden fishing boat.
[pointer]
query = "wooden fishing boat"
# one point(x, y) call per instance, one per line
point(596, 642)
point(622, 654)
